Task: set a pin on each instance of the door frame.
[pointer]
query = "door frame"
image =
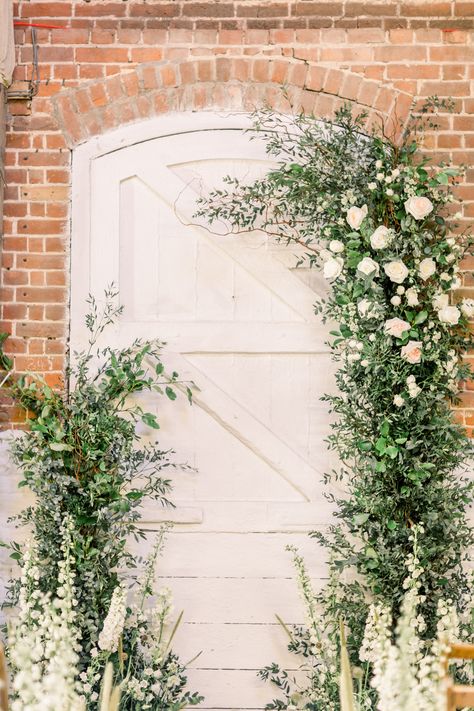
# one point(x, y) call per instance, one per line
point(123, 137)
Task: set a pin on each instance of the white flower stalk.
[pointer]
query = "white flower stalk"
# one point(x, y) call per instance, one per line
point(43, 641)
point(114, 622)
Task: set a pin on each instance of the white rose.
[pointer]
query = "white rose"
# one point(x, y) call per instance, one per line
point(414, 390)
point(378, 163)
point(364, 306)
point(412, 352)
point(325, 254)
point(467, 307)
point(372, 186)
point(395, 300)
point(356, 215)
point(380, 238)
point(427, 268)
point(450, 315)
point(396, 327)
point(333, 267)
point(412, 297)
point(398, 401)
point(418, 207)
point(336, 246)
point(396, 271)
point(440, 301)
point(368, 267)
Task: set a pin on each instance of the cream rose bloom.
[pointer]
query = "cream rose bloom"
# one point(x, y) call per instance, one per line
point(467, 307)
point(396, 271)
point(418, 207)
point(412, 297)
point(396, 327)
point(427, 268)
point(364, 306)
point(412, 352)
point(449, 315)
point(356, 215)
point(333, 267)
point(398, 401)
point(367, 266)
point(380, 238)
point(440, 301)
point(336, 246)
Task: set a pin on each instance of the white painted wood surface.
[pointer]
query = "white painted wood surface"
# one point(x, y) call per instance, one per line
point(238, 320)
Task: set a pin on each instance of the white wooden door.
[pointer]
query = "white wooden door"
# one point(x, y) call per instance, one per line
point(238, 321)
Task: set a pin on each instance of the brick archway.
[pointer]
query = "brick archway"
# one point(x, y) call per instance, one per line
point(235, 84)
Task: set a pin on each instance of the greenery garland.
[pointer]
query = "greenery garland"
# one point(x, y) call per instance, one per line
point(377, 219)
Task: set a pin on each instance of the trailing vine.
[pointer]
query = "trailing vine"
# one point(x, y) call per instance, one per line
point(376, 217)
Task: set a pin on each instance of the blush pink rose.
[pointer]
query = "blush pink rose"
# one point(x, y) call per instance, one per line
point(396, 327)
point(412, 352)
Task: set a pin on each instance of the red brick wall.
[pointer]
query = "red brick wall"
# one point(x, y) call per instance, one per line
point(182, 54)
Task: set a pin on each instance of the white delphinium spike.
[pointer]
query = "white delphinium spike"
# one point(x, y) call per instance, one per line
point(43, 641)
point(114, 622)
point(323, 644)
point(146, 583)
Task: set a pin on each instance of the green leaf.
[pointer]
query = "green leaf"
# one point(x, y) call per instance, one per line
point(364, 445)
point(159, 368)
point(359, 519)
point(442, 179)
point(392, 525)
point(150, 420)
point(381, 445)
point(384, 430)
point(60, 447)
point(392, 451)
point(421, 317)
point(171, 393)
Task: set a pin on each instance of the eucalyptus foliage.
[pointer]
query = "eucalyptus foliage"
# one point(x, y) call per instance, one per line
point(83, 460)
point(376, 217)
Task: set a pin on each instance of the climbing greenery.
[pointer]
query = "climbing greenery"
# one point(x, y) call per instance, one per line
point(83, 460)
point(377, 218)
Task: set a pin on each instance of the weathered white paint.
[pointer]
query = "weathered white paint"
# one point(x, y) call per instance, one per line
point(238, 320)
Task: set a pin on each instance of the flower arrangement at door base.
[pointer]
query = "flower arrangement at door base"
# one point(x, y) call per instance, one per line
point(83, 460)
point(378, 220)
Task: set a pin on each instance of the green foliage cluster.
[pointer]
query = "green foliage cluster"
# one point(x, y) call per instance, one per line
point(82, 459)
point(377, 218)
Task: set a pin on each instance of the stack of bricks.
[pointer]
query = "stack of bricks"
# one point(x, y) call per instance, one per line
point(109, 63)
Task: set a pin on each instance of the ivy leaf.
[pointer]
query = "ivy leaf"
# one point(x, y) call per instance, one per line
point(171, 393)
point(364, 445)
